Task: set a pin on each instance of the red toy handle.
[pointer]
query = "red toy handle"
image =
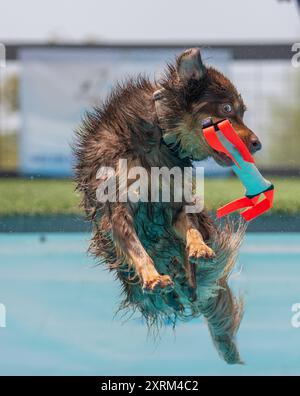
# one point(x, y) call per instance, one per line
point(261, 207)
point(254, 208)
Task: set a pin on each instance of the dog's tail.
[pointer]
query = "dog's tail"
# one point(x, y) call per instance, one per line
point(223, 314)
point(222, 311)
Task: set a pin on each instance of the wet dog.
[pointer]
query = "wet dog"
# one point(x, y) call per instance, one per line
point(172, 265)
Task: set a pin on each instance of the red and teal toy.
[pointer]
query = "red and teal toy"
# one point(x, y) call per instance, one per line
point(222, 137)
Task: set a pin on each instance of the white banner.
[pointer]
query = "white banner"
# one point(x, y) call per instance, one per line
point(59, 85)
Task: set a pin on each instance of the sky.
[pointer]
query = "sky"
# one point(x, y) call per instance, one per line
point(168, 21)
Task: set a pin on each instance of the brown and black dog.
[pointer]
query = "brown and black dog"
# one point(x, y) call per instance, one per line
point(172, 265)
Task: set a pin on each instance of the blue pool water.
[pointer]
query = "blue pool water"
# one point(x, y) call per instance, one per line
point(60, 307)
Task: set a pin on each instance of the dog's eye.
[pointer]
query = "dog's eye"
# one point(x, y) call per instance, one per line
point(227, 108)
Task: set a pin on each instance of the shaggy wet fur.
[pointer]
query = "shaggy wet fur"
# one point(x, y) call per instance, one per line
point(131, 125)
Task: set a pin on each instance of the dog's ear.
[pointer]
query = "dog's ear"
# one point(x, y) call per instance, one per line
point(190, 66)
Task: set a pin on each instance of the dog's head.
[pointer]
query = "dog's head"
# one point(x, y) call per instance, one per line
point(192, 92)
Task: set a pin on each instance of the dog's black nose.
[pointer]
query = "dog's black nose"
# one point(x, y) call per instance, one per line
point(255, 144)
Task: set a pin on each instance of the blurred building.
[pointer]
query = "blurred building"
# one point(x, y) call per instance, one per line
point(47, 88)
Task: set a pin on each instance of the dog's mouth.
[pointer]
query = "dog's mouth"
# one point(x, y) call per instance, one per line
point(222, 159)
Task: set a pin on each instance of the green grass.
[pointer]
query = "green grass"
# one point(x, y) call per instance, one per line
point(46, 197)
point(37, 197)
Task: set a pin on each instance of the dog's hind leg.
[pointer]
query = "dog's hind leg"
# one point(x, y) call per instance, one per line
point(223, 314)
point(129, 245)
point(186, 228)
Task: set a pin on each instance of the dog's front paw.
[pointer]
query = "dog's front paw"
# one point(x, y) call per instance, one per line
point(200, 250)
point(158, 282)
